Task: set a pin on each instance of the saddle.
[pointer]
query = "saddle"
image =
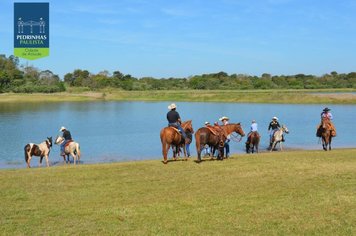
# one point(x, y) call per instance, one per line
point(68, 142)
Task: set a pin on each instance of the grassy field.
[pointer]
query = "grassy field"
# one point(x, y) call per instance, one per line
point(289, 193)
point(239, 96)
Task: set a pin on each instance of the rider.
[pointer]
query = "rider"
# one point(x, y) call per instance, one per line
point(254, 128)
point(225, 121)
point(67, 138)
point(273, 127)
point(174, 119)
point(326, 114)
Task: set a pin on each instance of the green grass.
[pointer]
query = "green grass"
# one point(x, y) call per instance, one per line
point(289, 193)
point(238, 96)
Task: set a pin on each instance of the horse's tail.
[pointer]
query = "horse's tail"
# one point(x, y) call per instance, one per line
point(27, 149)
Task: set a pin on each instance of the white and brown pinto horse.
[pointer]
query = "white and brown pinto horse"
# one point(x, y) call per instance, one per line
point(71, 148)
point(278, 136)
point(41, 150)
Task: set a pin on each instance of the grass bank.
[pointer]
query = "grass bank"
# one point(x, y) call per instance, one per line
point(289, 193)
point(238, 96)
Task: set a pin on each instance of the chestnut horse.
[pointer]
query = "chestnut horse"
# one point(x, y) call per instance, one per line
point(171, 136)
point(204, 136)
point(325, 131)
point(201, 139)
point(252, 143)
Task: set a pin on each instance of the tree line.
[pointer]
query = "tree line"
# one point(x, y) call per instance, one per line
point(27, 79)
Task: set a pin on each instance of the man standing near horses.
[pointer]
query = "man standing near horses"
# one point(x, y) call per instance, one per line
point(273, 127)
point(225, 121)
point(174, 120)
point(326, 115)
point(67, 138)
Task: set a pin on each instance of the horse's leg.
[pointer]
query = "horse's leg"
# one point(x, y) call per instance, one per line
point(199, 148)
point(330, 143)
point(324, 144)
point(74, 158)
point(46, 156)
point(29, 160)
point(273, 145)
point(280, 146)
point(40, 163)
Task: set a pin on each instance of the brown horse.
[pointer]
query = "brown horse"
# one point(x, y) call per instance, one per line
point(171, 137)
point(201, 139)
point(42, 150)
point(252, 143)
point(204, 136)
point(326, 133)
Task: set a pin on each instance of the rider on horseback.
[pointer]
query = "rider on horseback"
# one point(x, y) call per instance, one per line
point(67, 138)
point(254, 128)
point(326, 115)
point(273, 126)
point(174, 119)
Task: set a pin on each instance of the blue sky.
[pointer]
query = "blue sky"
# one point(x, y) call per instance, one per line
point(163, 38)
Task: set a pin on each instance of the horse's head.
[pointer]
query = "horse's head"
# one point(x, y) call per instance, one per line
point(187, 126)
point(285, 129)
point(49, 140)
point(59, 140)
point(238, 129)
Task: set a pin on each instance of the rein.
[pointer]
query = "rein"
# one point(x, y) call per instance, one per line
point(235, 137)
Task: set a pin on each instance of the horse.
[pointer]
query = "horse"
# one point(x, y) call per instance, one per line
point(252, 143)
point(203, 137)
point(278, 136)
point(171, 136)
point(326, 133)
point(71, 148)
point(42, 150)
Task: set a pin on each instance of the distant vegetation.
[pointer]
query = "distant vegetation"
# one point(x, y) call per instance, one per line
point(27, 79)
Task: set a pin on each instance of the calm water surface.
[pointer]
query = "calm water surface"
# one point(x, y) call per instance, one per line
point(124, 131)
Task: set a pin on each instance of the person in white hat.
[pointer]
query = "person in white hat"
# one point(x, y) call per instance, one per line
point(273, 127)
point(174, 120)
point(253, 128)
point(225, 121)
point(67, 137)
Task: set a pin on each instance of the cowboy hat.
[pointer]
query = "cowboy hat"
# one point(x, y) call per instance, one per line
point(326, 109)
point(172, 106)
point(224, 118)
point(207, 123)
point(274, 118)
point(62, 128)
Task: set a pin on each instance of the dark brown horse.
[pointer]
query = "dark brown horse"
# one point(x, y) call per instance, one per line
point(252, 143)
point(203, 137)
point(171, 137)
point(326, 133)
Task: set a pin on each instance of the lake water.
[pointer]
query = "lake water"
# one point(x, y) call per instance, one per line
point(125, 131)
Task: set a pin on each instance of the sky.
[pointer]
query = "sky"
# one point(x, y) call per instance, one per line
point(162, 38)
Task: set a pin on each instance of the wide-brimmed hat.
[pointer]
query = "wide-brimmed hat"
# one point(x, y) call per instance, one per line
point(326, 109)
point(274, 118)
point(224, 118)
point(172, 106)
point(207, 123)
point(62, 128)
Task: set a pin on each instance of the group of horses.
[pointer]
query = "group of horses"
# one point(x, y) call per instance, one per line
point(43, 149)
point(171, 137)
